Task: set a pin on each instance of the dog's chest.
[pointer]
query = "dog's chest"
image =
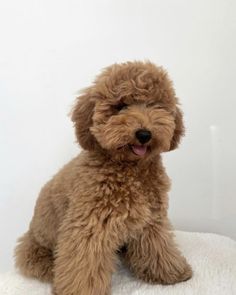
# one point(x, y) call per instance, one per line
point(121, 196)
point(130, 196)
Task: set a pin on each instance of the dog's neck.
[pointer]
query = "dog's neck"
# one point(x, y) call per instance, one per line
point(142, 165)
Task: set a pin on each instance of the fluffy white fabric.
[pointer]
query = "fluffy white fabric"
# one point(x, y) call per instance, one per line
point(212, 257)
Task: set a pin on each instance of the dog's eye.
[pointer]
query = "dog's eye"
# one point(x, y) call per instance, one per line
point(120, 106)
point(154, 105)
point(151, 104)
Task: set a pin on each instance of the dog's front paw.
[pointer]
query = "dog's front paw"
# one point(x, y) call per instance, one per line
point(177, 273)
point(166, 273)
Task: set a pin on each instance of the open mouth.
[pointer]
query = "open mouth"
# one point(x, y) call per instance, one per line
point(139, 150)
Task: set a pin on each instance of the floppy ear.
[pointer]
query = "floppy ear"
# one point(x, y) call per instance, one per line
point(179, 129)
point(82, 113)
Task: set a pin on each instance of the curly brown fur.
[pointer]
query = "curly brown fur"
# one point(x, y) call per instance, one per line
point(114, 192)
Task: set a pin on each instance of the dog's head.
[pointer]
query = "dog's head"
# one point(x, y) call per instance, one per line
point(130, 111)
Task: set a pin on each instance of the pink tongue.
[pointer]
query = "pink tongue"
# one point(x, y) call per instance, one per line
point(139, 150)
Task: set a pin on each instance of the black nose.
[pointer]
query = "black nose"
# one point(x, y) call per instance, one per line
point(143, 135)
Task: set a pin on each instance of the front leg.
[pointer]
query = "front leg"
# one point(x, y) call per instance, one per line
point(86, 254)
point(154, 257)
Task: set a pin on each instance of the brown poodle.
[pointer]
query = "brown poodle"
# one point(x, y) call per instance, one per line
point(111, 201)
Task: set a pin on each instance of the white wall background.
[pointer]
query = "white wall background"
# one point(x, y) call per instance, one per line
point(50, 48)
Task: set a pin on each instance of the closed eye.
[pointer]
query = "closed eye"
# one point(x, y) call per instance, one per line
point(154, 105)
point(120, 106)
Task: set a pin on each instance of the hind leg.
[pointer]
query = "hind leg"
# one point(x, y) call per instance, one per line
point(34, 260)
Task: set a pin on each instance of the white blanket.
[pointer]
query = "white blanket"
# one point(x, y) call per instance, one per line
point(213, 259)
